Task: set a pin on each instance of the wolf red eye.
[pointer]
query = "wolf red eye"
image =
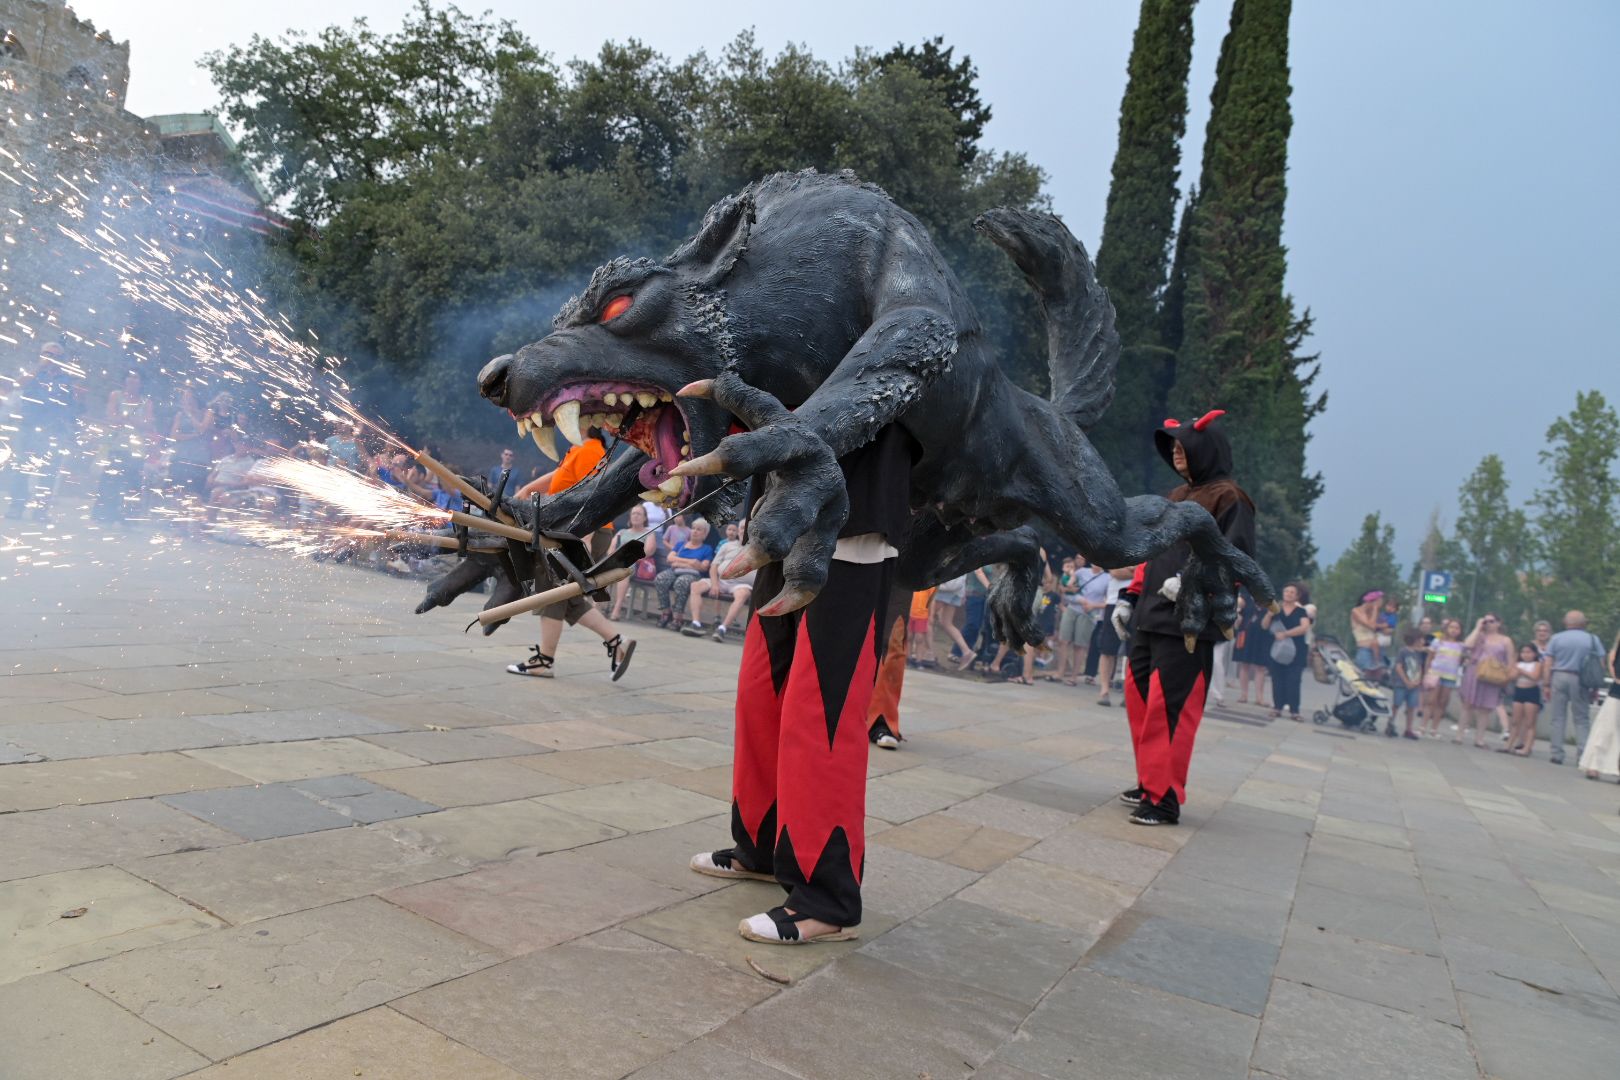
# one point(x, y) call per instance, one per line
point(615, 307)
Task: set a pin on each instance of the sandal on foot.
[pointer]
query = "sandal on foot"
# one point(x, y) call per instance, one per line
point(537, 666)
point(619, 653)
point(724, 864)
point(777, 927)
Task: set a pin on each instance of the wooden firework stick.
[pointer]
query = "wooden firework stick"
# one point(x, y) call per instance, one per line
point(499, 528)
point(473, 495)
point(552, 596)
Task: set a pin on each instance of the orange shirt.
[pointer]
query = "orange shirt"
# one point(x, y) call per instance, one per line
point(576, 465)
point(919, 603)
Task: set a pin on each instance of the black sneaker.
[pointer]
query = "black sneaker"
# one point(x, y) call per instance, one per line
point(1133, 796)
point(1167, 811)
point(720, 632)
point(693, 629)
point(882, 735)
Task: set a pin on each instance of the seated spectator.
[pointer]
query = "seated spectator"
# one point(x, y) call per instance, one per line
point(235, 484)
point(686, 563)
point(646, 569)
point(737, 591)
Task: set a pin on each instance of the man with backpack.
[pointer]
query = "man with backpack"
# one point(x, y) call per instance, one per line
point(1577, 670)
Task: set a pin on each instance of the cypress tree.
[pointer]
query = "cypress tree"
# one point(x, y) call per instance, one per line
point(1240, 347)
point(1137, 230)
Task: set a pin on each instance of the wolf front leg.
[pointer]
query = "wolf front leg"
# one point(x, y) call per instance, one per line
point(798, 519)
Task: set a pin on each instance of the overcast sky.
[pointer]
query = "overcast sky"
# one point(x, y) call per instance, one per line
point(1451, 187)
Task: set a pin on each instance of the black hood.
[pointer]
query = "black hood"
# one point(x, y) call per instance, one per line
point(1209, 454)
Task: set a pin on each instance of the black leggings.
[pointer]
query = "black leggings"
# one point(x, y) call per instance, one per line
point(1285, 686)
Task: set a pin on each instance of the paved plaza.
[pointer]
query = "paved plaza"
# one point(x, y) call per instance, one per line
point(260, 822)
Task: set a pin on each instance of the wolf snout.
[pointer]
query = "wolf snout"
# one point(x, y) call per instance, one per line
point(492, 380)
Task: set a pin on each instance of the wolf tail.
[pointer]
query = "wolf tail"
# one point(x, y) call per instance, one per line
point(1082, 344)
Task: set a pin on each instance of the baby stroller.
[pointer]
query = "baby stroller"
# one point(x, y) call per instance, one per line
point(1358, 703)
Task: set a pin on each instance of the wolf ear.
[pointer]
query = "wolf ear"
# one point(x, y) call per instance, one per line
point(721, 240)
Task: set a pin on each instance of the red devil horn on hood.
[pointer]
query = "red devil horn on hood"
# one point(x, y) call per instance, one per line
point(1208, 418)
point(1172, 423)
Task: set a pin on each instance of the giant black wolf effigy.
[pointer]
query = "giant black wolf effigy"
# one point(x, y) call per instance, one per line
point(811, 338)
point(813, 311)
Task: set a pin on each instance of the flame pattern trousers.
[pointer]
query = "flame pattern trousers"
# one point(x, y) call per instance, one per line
point(799, 775)
point(1165, 688)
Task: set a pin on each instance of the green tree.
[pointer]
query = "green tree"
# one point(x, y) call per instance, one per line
point(1133, 256)
point(422, 247)
point(957, 84)
point(1368, 563)
point(1576, 511)
point(1494, 542)
point(1241, 341)
point(326, 116)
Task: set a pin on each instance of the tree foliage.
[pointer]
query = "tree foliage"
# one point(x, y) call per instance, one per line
point(1368, 563)
point(1495, 547)
point(1138, 228)
point(1241, 342)
point(1577, 511)
point(446, 212)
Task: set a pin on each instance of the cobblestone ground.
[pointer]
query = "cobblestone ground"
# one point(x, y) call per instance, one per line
point(259, 821)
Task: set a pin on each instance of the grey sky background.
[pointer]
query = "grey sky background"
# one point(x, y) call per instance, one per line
point(1452, 176)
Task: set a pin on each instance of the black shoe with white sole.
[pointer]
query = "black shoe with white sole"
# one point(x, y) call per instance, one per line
point(1133, 796)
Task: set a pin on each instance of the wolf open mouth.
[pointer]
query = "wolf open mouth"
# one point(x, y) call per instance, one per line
point(645, 416)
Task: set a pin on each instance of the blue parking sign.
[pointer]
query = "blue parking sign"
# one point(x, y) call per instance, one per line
point(1436, 581)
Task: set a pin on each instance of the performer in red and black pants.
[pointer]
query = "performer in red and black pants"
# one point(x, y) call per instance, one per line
point(799, 777)
point(1165, 685)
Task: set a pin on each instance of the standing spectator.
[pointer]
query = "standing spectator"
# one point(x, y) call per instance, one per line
point(922, 624)
point(1407, 680)
point(1083, 603)
point(976, 590)
point(191, 434)
point(1364, 626)
point(1528, 675)
point(508, 460)
point(1389, 620)
point(947, 609)
point(221, 437)
point(687, 562)
point(1253, 649)
point(1443, 674)
point(40, 412)
point(676, 534)
point(1291, 623)
point(1602, 754)
point(1107, 642)
point(1569, 649)
point(1490, 660)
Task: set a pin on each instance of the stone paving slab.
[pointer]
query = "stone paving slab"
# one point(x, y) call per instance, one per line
point(247, 882)
point(229, 992)
point(932, 1027)
point(1314, 1035)
point(106, 738)
point(600, 1007)
point(379, 1043)
point(71, 837)
point(52, 1028)
point(1092, 1025)
point(1213, 966)
point(528, 904)
point(92, 780)
point(478, 834)
point(439, 747)
point(468, 783)
point(290, 725)
point(636, 805)
point(269, 763)
point(116, 912)
point(258, 813)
